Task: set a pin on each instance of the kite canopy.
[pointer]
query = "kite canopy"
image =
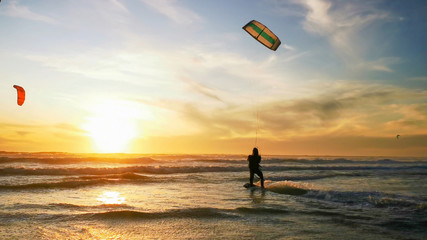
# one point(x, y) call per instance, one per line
point(262, 34)
point(21, 94)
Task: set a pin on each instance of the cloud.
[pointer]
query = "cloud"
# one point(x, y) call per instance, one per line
point(223, 76)
point(24, 129)
point(345, 119)
point(411, 145)
point(288, 47)
point(172, 10)
point(106, 20)
point(349, 110)
point(119, 5)
point(382, 64)
point(294, 57)
point(69, 128)
point(112, 65)
point(201, 88)
point(13, 9)
point(341, 23)
point(225, 71)
point(167, 104)
point(420, 78)
point(104, 14)
point(22, 133)
point(220, 123)
point(344, 109)
point(34, 137)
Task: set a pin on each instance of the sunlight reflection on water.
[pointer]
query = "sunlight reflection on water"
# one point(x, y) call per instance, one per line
point(111, 197)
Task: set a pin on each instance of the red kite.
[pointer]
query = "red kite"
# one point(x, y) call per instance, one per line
point(21, 94)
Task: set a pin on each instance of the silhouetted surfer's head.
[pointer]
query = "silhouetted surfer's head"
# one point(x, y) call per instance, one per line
point(255, 152)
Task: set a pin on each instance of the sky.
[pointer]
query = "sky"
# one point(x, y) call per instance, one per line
point(168, 76)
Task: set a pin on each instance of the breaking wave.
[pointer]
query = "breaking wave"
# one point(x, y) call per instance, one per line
point(68, 158)
point(185, 169)
point(372, 199)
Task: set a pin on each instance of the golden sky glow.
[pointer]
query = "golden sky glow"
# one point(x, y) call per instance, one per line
point(183, 77)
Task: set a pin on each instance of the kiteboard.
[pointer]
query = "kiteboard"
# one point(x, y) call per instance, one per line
point(248, 185)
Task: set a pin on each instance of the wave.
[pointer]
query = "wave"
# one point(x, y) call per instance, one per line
point(373, 199)
point(261, 210)
point(385, 202)
point(68, 158)
point(286, 187)
point(184, 169)
point(317, 176)
point(345, 161)
point(175, 213)
point(73, 160)
point(172, 213)
point(131, 215)
point(118, 170)
point(126, 213)
point(83, 181)
point(331, 213)
point(269, 160)
point(55, 206)
point(334, 174)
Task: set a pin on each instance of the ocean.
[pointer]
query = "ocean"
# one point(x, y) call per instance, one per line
point(130, 196)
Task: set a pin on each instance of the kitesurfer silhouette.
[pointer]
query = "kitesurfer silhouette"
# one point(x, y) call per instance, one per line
point(254, 167)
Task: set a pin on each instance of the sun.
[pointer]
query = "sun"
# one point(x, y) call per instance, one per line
point(112, 126)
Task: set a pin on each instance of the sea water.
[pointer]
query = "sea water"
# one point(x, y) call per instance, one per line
point(117, 196)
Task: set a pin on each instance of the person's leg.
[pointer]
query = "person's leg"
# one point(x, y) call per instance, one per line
point(251, 177)
point(261, 176)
